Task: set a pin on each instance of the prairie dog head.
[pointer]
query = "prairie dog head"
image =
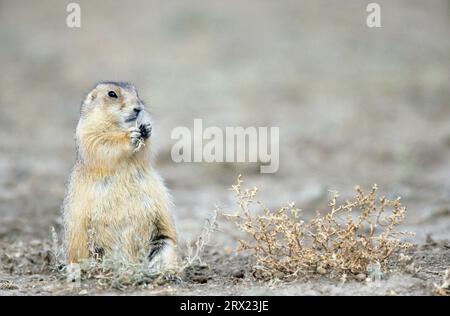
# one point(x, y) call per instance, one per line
point(114, 104)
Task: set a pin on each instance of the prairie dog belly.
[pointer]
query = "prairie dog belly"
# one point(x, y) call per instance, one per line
point(123, 214)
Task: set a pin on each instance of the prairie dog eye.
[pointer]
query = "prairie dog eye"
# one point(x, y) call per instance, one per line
point(112, 94)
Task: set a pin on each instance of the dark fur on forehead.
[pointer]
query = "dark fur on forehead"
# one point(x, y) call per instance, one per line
point(121, 84)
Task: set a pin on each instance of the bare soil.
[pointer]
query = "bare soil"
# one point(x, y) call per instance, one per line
point(355, 106)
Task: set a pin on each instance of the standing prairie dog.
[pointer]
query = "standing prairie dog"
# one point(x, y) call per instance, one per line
point(116, 203)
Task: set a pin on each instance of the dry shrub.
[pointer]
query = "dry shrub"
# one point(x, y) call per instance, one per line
point(355, 237)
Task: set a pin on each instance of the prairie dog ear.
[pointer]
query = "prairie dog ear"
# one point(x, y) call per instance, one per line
point(91, 97)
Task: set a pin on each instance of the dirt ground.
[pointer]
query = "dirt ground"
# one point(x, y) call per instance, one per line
point(355, 106)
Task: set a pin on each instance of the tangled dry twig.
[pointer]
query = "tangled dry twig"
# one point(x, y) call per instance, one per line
point(352, 238)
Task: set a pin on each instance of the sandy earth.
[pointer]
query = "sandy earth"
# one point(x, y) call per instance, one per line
point(355, 106)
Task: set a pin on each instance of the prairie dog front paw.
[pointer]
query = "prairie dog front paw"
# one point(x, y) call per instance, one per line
point(146, 130)
point(137, 139)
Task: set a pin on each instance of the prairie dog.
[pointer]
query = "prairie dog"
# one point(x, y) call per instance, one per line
point(116, 203)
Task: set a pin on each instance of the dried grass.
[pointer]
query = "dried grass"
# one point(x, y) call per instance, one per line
point(8, 285)
point(196, 249)
point(119, 273)
point(356, 237)
point(444, 288)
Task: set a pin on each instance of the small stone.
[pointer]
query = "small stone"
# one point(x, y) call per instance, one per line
point(391, 293)
point(361, 276)
point(200, 279)
point(278, 275)
point(83, 292)
point(261, 274)
point(321, 270)
point(238, 274)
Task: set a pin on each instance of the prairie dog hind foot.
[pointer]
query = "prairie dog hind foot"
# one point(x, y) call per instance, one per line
point(162, 255)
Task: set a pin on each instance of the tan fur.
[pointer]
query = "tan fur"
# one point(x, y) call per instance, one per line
point(115, 199)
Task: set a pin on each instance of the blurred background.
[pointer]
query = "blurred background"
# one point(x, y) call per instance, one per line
point(355, 105)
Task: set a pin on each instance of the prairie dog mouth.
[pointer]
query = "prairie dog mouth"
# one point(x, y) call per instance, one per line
point(133, 117)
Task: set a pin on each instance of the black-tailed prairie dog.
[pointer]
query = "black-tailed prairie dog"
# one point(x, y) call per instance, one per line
point(116, 203)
